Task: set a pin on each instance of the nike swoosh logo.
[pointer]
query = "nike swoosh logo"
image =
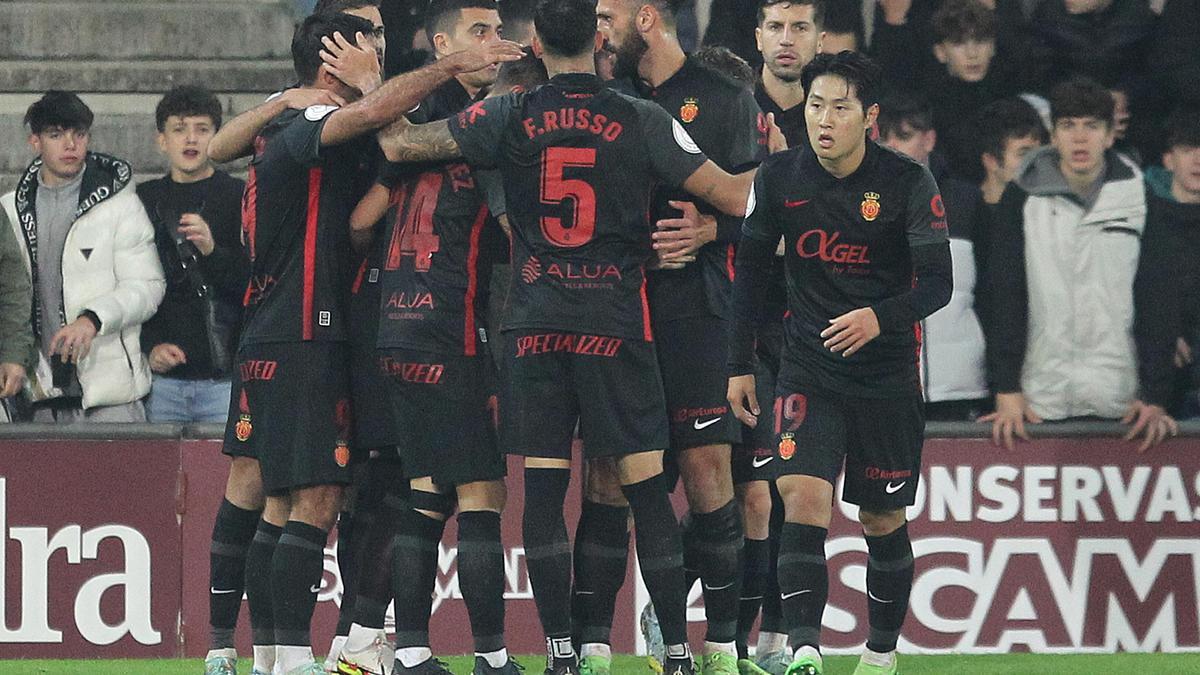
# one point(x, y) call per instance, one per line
point(798, 202)
point(759, 463)
point(316, 588)
point(878, 599)
point(717, 588)
point(698, 426)
point(890, 489)
point(793, 594)
point(214, 591)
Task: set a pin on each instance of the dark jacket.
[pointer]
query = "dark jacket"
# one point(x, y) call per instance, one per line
point(1109, 46)
point(16, 301)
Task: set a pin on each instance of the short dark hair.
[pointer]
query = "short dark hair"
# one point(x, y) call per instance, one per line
point(957, 21)
point(1081, 98)
point(566, 27)
point(724, 61)
point(898, 108)
point(62, 109)
point(843, 16)
point(342, 6)
point(527, 72)
point(442, 14)
point(855, 68)
point(1001, 120)
point(817, 5)
point(307, 45)
point(668, 8)
point(516, 10)
point(1183, 128)
point(188, 100)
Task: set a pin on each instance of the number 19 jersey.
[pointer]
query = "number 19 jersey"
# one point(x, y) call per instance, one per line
point(580, 163)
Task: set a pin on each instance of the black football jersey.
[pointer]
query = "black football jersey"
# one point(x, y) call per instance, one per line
point(579, 163)
point(724, 120)
point(790, 122)
point(847, 246)
point(295, 222)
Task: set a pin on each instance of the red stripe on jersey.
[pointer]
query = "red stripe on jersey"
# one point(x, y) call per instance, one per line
point(472, 282)
point(358, 278)
point(730, 253)
point(646, 332)
point(250, 212)
point(310, 250)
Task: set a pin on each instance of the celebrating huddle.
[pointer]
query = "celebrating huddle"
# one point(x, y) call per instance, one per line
point(648, 227)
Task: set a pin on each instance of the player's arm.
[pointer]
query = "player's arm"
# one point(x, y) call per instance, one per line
point(725, 191)
point(402, 93)
point(403, 141)
point(235, 139)
point(752, 278)
point(368, 212)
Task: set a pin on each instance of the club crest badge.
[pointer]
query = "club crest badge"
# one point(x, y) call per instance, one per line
point(787, 446)
point(689, 110)
point(870, 206)
point(243, 428)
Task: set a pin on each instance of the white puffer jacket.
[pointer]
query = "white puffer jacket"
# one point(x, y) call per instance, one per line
point(110, 266)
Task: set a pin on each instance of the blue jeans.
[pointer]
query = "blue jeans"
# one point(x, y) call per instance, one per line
point(175, 400)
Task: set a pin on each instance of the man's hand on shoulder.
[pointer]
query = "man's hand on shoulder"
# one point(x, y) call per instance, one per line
point(355, 65)
point(303, 97)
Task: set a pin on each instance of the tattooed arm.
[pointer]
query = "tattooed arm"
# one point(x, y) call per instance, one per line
point(403, 141)
point(724, 191)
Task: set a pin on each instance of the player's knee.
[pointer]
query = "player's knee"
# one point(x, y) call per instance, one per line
point(707, 476)
point(639, 467)
point(488, 495)
point(880, 523)
point(755, 500)
point(604, 483)
point(244, 487)
point(317, 505)
point(806, 500)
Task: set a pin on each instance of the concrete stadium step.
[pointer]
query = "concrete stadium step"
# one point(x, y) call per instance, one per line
point(258, 75)
point(112, 29)
point(124, 127)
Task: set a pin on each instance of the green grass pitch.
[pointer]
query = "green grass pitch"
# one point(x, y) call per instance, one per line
point(1007, 664)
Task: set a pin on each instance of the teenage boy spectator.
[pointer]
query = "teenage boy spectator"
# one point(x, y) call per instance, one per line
point(196, 211)
point(89, 251)
point(1167, 290)
point(1078, 196)
point(1005, 131)
point(16, 333)
point(953, 377)
point(731, 24)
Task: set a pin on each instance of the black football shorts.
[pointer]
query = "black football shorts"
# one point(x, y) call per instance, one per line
point(692, 353)
point(754, 458)
point(879, 440)
point(373, 423)
point(291, 411)
point(609, 386)
point(446, 413)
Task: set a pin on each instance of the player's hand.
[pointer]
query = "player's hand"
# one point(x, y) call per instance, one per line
point(12, 377)
point(743, 400)
point(355, 64)
point(74, 340)
point(197, 231)
point(850, 331)
point(1012, 412)
point(482, 56)
point(895, 12)
point(166, 356)
point(1183, 353)
point(776, 141)
point(683, 236)
point(676, 263)
point(1152, 420)
point(299, 99)
point(606, 62)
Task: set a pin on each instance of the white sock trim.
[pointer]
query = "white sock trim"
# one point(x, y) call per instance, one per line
point(291, 657)
point(495, 659)
point(809, 651)
point(411, 657)
point(721, 648)
point(264, 658)
point(595, 649)
point(881, 659)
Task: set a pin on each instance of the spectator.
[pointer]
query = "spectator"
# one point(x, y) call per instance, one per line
point(841, 27)
point(952, 359)
point(1167, 291)
point(196, 212)
point(725, 62)
point(1105, 40)
point(731, 24)
point(1005, 132)
point(1175, 59)
point(96, 278)
point(902, 40)
point(17, 355)
point(1122, 116)
point(1063, 256)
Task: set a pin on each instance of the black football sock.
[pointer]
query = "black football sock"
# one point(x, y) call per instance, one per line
point(232, 532)
point(601, 556)
point(375, 556)
point(889, 581)
point(414, 572)
point(660, 555)
point(548, 551)
point(772, 611)
point(756, 565)
point(347, 525)
point(481, 577)
point(718, 538)
point(258, 582)
point(803, 582)
point(296, 570)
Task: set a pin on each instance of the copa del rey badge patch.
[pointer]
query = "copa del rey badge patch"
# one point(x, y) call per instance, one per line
point(316, 113)
point(870, 206)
